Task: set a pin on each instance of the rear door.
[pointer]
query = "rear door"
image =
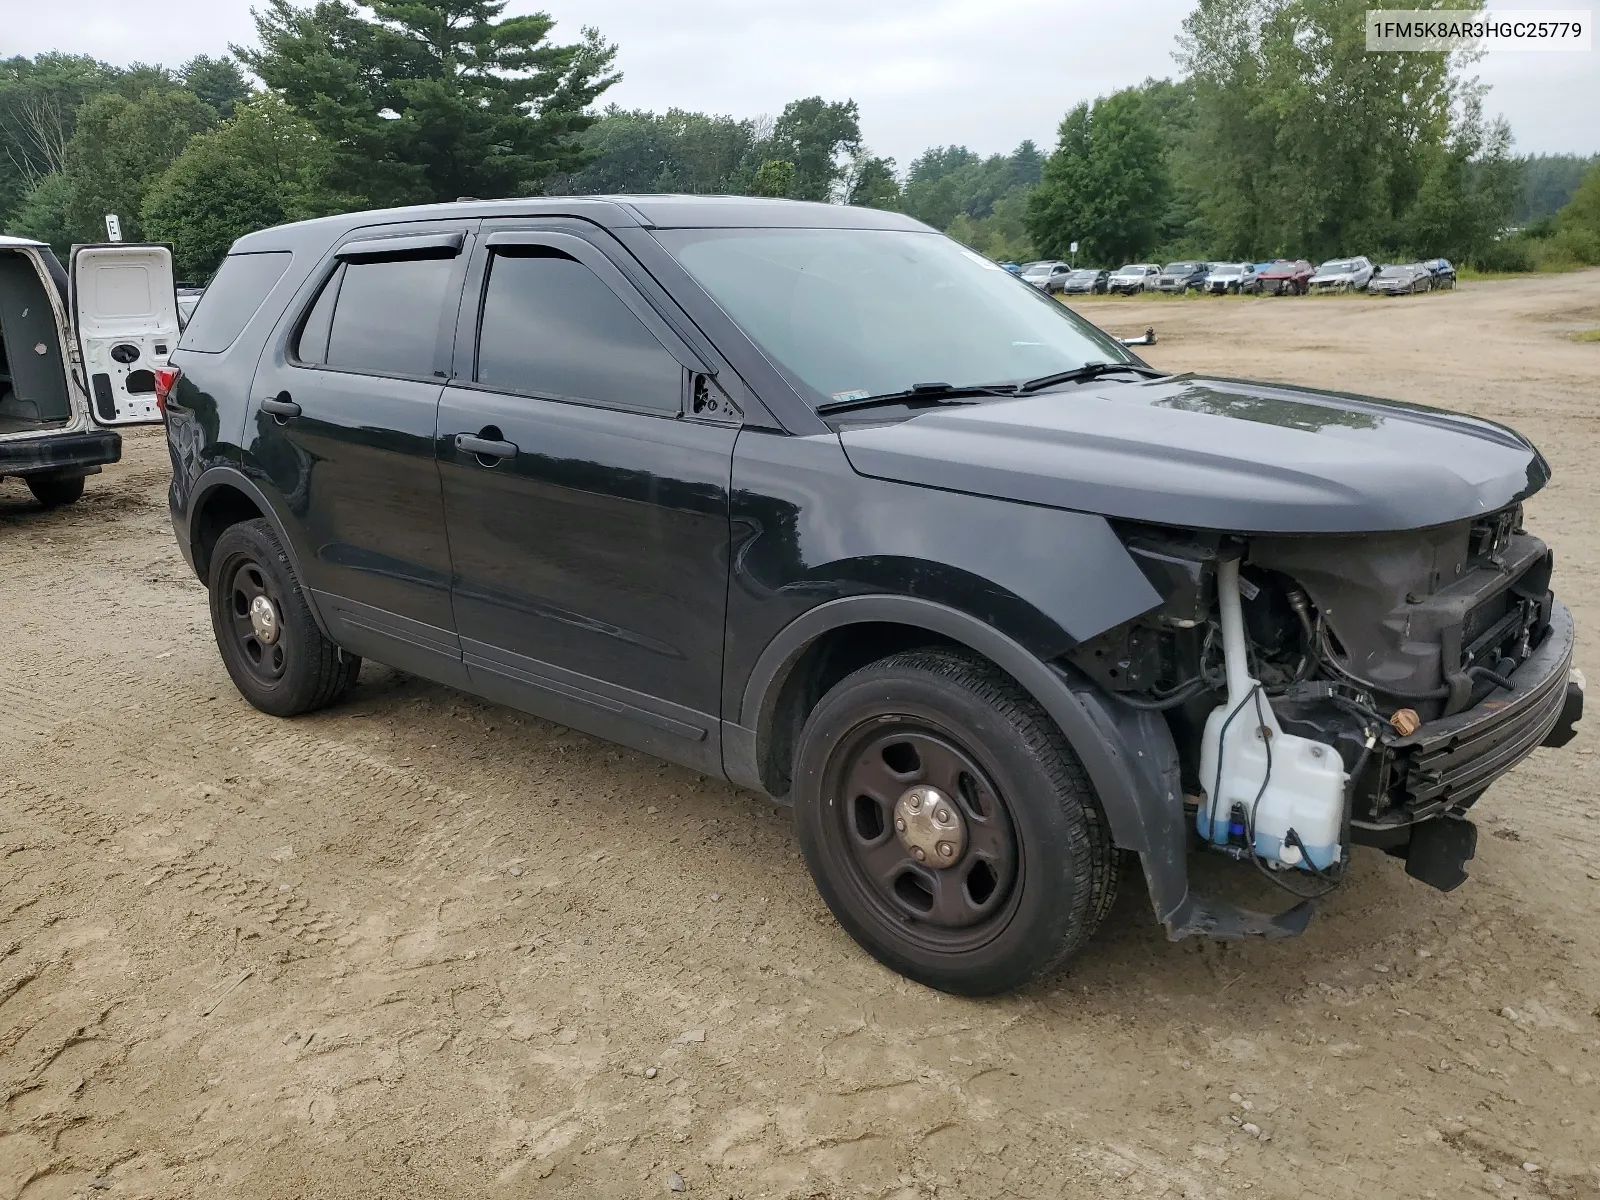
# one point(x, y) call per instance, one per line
point(342, 425)
point(125, 318)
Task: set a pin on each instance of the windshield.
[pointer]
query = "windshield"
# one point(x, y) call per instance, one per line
point(1039, 269)
point(1228, 269)
point(1342, 267)
point(1182, 268)
point(1085, 274)
point(1394, 272)
point(856, 312)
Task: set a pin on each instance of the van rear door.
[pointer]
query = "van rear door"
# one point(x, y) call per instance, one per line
point(125, 316)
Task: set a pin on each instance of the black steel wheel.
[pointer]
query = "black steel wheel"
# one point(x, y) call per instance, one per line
point(256, 622)
point(269, 641)
point(948, 825)
point(924, 831)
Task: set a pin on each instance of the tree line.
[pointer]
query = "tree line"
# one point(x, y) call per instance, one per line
point(1282, 136)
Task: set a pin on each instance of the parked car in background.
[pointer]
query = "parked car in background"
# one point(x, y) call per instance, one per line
point(1135, 277)
point(78, 361)
point(1343, 275)
point(1226, 277)
point(1086, 281)
point(1014, 268)
point(1401, 279)
point(1284, 277)
point(188, 297)
point(1179, 277)
point(1047, 276)
point(1443, 274)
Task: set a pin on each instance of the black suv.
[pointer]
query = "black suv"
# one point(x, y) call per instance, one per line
point(814, 499)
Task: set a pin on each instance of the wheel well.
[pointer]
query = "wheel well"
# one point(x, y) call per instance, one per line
point(224, 506)
point(824, 662)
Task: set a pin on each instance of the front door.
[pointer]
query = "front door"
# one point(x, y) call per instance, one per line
point(125, 309)
point(342, 423)
point(586, 498)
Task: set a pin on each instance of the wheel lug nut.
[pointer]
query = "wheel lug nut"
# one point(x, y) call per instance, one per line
point(919, 854)
point(916, 801)
point(946, 849)
point(900, 824)
point(942, 815)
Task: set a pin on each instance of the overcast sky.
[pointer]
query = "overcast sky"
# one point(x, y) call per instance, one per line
point(925, 72)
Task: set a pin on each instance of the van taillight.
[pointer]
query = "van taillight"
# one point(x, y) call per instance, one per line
point(166, 379)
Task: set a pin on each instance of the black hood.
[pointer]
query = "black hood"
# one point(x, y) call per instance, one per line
point(1210, 453)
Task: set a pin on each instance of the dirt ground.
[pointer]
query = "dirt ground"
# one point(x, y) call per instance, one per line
point(422, 946)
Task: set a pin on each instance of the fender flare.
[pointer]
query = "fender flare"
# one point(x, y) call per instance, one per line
point(218, 476)
point(1129, 754)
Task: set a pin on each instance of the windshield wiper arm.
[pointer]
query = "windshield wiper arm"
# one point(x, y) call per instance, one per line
point(921, 393)
point(1092, 370)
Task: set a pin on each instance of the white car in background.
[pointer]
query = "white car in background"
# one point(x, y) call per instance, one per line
point(1343, 275)
point(1135, 277)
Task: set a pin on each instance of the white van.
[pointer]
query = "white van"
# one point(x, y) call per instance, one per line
point(81, 353)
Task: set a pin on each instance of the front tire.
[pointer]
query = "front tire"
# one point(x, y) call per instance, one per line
point(1005, 866)
point(269, 641)
point(56, 491)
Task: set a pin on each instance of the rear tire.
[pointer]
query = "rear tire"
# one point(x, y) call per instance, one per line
point(56, 491)
point(1033, 870)
point(269, 641)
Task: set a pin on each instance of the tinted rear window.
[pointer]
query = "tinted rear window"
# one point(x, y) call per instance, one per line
point(387, 317)
point(234, 295)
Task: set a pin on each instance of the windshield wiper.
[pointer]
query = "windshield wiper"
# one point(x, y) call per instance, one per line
point(1091, 370)
point(921, 393)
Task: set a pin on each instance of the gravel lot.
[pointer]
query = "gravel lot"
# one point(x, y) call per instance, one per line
point(423, 946)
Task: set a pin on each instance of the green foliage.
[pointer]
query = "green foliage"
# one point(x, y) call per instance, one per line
point(1548, 182)
point(119, 148)
point(872, 183)
point(1469, 187)
point(39, 102)
point(675, 151)
point(433, 99)
point(217, 81)
point(1106, 185)
point(818, 141)
point(43, 213)
point(1305, 144)
point(813, 134)
point(1577, 234)
point(979, 201)
point(775, 177)
point(1507, 255)
point(263, 167)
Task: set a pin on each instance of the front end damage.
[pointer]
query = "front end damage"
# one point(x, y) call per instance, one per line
point(1329, 691)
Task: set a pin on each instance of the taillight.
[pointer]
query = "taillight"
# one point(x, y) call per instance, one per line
point(166, 379)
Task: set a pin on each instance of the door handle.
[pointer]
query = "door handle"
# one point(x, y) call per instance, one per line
point(280, 406)
point(485, 447)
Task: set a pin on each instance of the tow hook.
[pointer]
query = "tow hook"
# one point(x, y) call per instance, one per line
point(1566, 726)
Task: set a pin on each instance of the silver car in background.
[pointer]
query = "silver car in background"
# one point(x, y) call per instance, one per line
point(1135, 277)
point(1343, 275)
point(1048, 276)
